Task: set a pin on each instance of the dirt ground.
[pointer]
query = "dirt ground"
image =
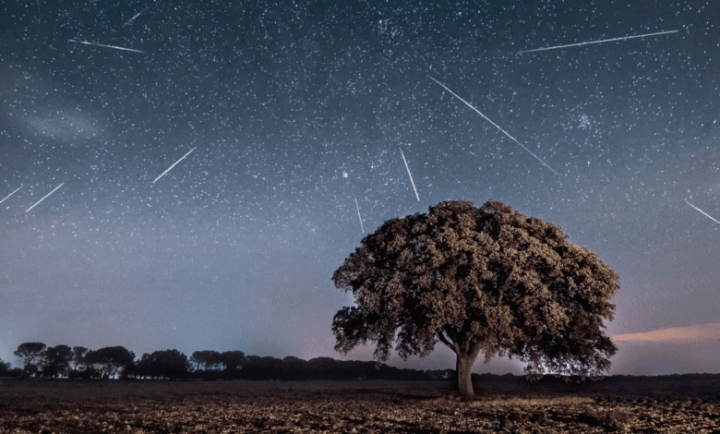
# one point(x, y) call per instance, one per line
point(512, 405)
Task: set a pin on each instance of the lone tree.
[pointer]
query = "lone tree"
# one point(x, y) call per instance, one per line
point(485, 279)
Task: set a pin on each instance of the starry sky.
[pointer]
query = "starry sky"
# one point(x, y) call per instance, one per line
point(298, 114)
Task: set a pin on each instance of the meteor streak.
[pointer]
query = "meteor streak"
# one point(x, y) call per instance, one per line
point(495, 125)
point(133, 18)
point(174, 164)
point(702, 212)
point(8, 196)
point(45, 197)
point(624, 38)
point(360, 218)
point(410, 175)
point(103, 45)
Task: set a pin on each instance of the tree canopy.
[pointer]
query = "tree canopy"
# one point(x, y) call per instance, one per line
point(486, 279)
point(57, 360)
point(31, 352)
point(4, 367)
point(207, 359)
point(168, 364)
point(78, 357)
point(110, 361)
point(233, 361)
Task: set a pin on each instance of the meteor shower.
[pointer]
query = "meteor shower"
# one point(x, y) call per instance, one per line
point(359, 216)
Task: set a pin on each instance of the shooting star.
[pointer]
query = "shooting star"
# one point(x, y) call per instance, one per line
point(133, 18)
point(45, 197)
point(175, 164)
point(702, 212)
point(106, 46)
point(8, 196)
point(358, 210)
point(495, 125)
point(579, 44)
point(410, 175)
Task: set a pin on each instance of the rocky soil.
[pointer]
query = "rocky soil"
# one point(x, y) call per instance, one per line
point(511, 405)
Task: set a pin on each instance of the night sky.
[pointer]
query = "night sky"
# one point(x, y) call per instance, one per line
point(298, 109)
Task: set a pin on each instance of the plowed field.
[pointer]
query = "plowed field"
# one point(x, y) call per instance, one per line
point(681, 405)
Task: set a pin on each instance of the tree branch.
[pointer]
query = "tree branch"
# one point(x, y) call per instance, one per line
point(445, 340)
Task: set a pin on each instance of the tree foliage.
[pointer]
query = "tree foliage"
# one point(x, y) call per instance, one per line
point(30, 370)
point(110, 361)
point(57, 361)
point(485, 279)
point(207, 359)
point(31, 352)
point(260, 368)
point(78, 357)
point(166, 364)
point(233, 361)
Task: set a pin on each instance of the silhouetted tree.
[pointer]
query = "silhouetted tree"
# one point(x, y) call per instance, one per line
point(165, 364)
point(30, 370)
point(78, 358)
point(31, 353)
point(233, 361)
point(323, 367)
point(4, 368)
point(271, 367)
point(206, 359)
point(294, 368)
point(57, 361)
point(485, 279)
point(109, 361)
point(261, 368)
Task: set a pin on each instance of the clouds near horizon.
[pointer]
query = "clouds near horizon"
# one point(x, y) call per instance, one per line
point(689, 334)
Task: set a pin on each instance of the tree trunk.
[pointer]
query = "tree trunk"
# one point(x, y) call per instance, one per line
point(463, 368)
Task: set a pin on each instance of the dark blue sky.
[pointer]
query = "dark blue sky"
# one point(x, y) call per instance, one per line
point(296, 109)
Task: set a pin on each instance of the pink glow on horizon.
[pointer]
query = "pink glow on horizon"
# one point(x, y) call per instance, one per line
point(696, 333)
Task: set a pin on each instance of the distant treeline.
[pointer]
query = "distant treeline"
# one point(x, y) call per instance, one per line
point(62, 361)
